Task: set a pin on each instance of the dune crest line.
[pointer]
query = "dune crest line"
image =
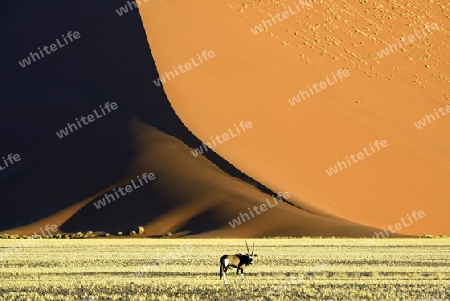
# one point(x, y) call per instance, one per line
point(128, 188)
point(167, 74)
point(206, 145)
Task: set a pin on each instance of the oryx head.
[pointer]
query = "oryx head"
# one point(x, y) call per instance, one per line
point(250, 256)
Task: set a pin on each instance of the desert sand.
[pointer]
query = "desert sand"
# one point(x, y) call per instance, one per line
point(290, 146)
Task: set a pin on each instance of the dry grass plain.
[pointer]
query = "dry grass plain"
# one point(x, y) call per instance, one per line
point(188, 269)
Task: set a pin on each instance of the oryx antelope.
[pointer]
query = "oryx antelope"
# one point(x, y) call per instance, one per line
point(238, 261)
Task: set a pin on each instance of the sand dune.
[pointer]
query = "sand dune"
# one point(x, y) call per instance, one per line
point(197, 200)
point(253, 77)
point(313, 105)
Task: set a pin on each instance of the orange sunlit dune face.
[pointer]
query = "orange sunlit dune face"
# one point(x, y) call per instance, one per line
point(348, 103)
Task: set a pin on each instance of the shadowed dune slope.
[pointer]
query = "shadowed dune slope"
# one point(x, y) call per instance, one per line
point(252, 77)
point(58, 180)
point(198, 199)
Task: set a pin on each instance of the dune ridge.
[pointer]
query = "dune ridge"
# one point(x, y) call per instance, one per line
point(198, 200)
point(401, 189)
point(290, 147)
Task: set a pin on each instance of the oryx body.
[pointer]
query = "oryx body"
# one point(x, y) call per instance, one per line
point(238, 261)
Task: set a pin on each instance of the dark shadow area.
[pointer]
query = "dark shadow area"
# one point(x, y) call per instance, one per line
point(201, 223)
point(110, 62)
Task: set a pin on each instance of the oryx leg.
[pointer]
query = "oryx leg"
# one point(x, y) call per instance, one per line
point(242, 275)
point(237, 275)
point(225, 275)
point(223, 270)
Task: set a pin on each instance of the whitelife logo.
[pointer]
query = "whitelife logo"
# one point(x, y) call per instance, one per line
point(308, 274)
point(51, 229)
point(237, 221)
point(128, 189)
point(423, 122)
point(124, 9)
point(360, 155)
point(53, 47)
point(184, 249)
point(284, 15)
point(188, 66)
point(86, 120)
point(12, 159)
point(322, 85)
point(206, 146)
point(400, 226)
point(411, 38)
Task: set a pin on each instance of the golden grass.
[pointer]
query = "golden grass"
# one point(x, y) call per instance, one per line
point(188, 269)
